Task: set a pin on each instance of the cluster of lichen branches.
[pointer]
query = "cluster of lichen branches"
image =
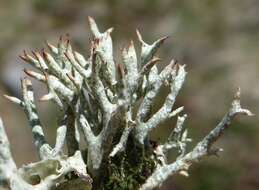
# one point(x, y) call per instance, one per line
point(97, 98)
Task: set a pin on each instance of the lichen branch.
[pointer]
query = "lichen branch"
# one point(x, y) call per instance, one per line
point(202, 149)
point(110, 106)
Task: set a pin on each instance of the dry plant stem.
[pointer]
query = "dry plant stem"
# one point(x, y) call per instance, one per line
point(96, 98)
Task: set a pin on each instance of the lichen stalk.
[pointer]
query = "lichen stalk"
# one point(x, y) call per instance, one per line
point(97, 98)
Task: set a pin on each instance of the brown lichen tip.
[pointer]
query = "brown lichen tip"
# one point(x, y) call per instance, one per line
point(237, 94)
point(73, 80)
point(36, 54)
point(24, 57)
point(47, 57)
point(10, 98)
point(44, 54)
point(110, 30)
point(46, 97)
point(68, 58)
point(28, 72)
point(131, 44)
point(96, 42)
point(91, 20)
point(67, 42)
point(46, 75)
point(27, 81)
point(14, 100)
point(48, 43)
point(121, 70)
point(173, 62)
point(139, 36)
point(60, 39)
point(151, 63)
point(155, 59)
point(34, 74)
point(162, 40)
point(69, 75)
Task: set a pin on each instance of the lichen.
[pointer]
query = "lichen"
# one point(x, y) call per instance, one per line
point(97, 98)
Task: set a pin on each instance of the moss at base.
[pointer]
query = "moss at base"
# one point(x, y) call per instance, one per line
point(130, 169)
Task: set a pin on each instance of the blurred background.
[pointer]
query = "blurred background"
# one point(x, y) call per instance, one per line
point(217, 40)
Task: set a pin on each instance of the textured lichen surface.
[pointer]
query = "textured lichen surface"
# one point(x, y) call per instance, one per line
point(96, 97)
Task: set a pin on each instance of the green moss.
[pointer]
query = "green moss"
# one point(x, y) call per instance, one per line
point(130, 169)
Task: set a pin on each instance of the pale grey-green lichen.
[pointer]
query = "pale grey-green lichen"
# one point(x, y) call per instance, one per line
point(97, 97)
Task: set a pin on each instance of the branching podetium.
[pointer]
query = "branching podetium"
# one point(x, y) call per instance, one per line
point(97, 97)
